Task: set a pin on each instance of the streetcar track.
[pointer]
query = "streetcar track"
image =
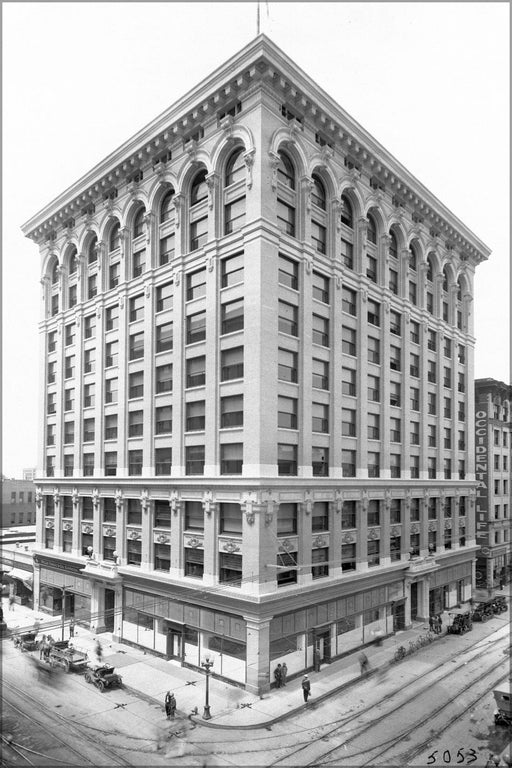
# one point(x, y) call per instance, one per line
point(116, 759)
point(342, 722)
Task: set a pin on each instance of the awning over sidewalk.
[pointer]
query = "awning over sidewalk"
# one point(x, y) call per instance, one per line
point(24, 576)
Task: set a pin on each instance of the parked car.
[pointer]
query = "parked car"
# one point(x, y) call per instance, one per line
point(461, 623)
point(483, 611)
point(500, 604)
point(26, 641)
point(103, 677)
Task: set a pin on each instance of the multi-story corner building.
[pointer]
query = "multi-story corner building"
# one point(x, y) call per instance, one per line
point(18, 502)
point(493, 434)
point(257, 383)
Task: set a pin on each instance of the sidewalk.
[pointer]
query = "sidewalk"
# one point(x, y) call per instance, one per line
point(150, 677)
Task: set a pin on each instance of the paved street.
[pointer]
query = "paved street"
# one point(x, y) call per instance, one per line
point(433, 703)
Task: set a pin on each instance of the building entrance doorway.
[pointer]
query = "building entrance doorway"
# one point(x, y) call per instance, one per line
point(398, 612)
point(435, 601)
point(323, 643)
point(174, 649)
point(110, 598)
point(414, 600)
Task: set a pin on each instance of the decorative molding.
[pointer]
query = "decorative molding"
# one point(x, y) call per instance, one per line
point(432, 526)
point(348, 538)
point(95, 498)
point(67, 526)
point(161, 538)
point(448, 525)
point(319, 541)
point(395, 530)
point(287, 546)
point(414, 528)
point(134, 534)
point(247, 508)
point(274, 162)
point(193, 542)
point(230, 546)
point(144, 499)
point(211, 182)
point(86, 528)
point(109, 531)
point(49, 524)
point(75, 496)
point(38, 496)
point(249, 162)
point(374, 533)
point(119, 498)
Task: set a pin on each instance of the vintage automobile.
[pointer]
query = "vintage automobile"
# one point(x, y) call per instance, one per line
point(26, 641)
point(461, 623)
point(103, 677)
point(483, 611)
point(63, 654)
point(500, 604)
point(503, 713)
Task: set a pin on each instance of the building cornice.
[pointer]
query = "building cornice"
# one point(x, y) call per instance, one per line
point(260, 61)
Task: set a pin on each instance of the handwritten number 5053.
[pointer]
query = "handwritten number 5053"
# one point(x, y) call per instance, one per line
point(469, 757)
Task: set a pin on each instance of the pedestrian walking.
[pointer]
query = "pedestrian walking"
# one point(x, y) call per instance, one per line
point(363, 662)
point(11, 602)
point(42, 644)
point(170, 705)
point(431, 623)
point(71, 629)
point(99, 651)
point(316, 659)
point(440, 623)
point(278, 676)
point(284, 674)
point(306, 688)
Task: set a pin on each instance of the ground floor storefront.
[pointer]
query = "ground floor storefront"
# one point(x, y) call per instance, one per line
point(493, 567)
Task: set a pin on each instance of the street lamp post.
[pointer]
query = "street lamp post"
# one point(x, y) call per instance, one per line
point(207, 664)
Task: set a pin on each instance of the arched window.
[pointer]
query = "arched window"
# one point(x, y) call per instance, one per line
point(73, 263)
point(413, 260)
point(286, 198)
point(393, 245)
point(347, 216)
point(318, 196)
point(286, 171)
point(235, 167)
point(139, 223)
point(167, 206)
point(199, 188)
point(55, 273)
point(92, 253)
point(114, 240)
point(430, 269)
point(198, 212)
point(371, 234)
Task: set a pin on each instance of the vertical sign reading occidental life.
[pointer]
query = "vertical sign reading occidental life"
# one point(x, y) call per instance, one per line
point(481, 470)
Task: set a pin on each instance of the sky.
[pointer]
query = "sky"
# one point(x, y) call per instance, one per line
point(429, 81)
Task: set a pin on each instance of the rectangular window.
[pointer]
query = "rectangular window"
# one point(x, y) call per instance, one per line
point(111, 426)
point(51, 369)
point(348, 422)
point(347, 254)
point(69, 334)
point(415, 332)
point(348, 340)
point(320, 287)
point(136, 346)
point(234, 215)
point(431, 371)
point(320, 330)
point(318, 236)
point(55, 305)
point(162, 557)
point(395, 464)
point(111, 390)
point(231, 458)
point(320, 516)
point(348, 558)
point(232, 363)
point(285, 218)
point(88, 464)
point(395, 544)
point(163, 378)
point(373, 552)
point(320, 414)
point(395, 362)
point(164, 337)
point(230, 519)
point(135, 384)
point(135, 423)
point(432, 403)
point(110, 462)
point(69, 367)
point(371, 268)
point(447, 437)
point(286, 459)
point(133, 552)
point(67, 541)
point(287, 318)
point(196, 284)
point(430, 302)
point(432, 340)
point(111, 353)
point(373, 464)
point(286, 412)
point(89, 397)
point(373, 512)
point(348, 515)
point(395, 322)
point(415, 399)
point(194, 460)
point(415, 433)
point(166, 249)
point(461, 354)
point(194, 516)
point(395, 429)
point(198, 233)
point(319, 560)
point(348, 301)
point(52, 341)
point(68, 465)
point(136, 308)
point(393, 281)
point(287, 519)
point(320, 374)
point(162, 514)
point(230, 569)
point(50, 434)
point(232, 316)
point(194, 563)
point(196, 327)
point(69, 399)
point(195, 371)
point(232, 411)
point(135, 462)
point(89, 326)
point(447, 347)
point(373, 388)
point(414, 365)
point(447, 407)
point(163, 420)
point(373, 426)
point(163, 461)
point(232, 270)
point(431, 468)
point(348, 463)
point(288, 273)
point(447, 469)
point(88, 430)
point(195, 416)
point(287, 365)
point(139, 263)
point(432, 435)
point(348, 382)
point(413, 293)
point(373, 312)
point(320, 461)
point(114, 274)
point(112, 318)
point(72, 294)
